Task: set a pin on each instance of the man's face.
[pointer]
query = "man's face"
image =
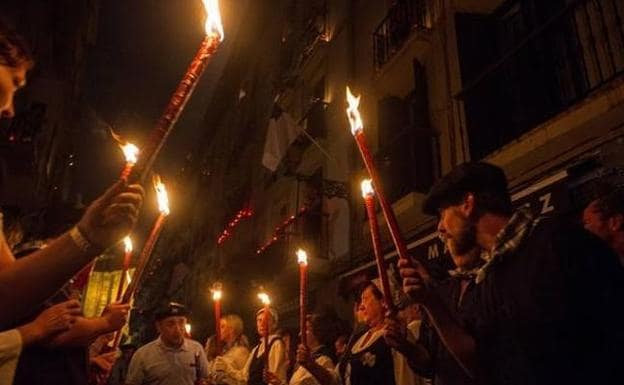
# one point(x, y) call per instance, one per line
point(372, 308)
point(172, 330)
point(595, 222)
point(458, 230)
point(260, 324)
point(11, 80)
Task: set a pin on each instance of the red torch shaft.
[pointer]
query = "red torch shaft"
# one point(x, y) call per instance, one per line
point(369, 200)
point(267, 314)
point(217, 311)
point(176, 104)
point(144, 258)
point(125, 173)
point(388, 213)
point(303, 299)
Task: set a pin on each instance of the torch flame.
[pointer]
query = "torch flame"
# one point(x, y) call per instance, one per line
point(130, 151)
point(127, 244)
point(367, 188)
point(213, 24)
point(355, 119)
point(187, 327)
point(216, 295)
point(264, 297)
point(161, 194)
point(302, 257)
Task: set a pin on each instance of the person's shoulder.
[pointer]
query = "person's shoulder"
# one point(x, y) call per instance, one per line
point(150, 346)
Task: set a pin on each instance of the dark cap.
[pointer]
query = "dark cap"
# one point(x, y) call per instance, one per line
point(172, 309)
point(469, 177)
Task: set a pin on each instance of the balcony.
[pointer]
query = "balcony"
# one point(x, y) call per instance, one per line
point(403, 18)
point(576, 51)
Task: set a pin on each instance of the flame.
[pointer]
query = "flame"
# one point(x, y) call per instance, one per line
point(130, 151)
point(161, 194)
point(302, 257)
point(367, 188)
point(264, 297)
point(355, 119)
point(127, 244)
point(213, 23)
point(217, 294)
point(187, 327)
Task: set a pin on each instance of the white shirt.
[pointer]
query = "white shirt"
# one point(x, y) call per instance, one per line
point(10, 349)
point(301, 376)
point(226, 365)
point(278, 362)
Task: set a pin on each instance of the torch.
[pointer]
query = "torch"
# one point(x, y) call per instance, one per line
point(357, 129)
point(217, 293)
point(184, 90)
point(130, 152)
point(266, 301)
point(369, 199)
point(302, 259)
point(163, 207)
point(125, 275)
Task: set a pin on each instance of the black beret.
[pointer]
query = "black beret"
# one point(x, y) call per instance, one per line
point(469, 177)
point(172, 309)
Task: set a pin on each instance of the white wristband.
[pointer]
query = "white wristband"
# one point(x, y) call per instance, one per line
point(80, 240)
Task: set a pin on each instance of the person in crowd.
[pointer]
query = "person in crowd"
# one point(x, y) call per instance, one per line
point(547, 293)
point(289, 338)
point(120, 367)
point(411, 317)
point(171, 358)
point(604, 217)
point(320, 335)
point(234, 352)
point(277, 360)
point(373, 358)
point(53, 320)
point(107, 220)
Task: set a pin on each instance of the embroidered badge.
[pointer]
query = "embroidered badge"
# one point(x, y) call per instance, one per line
point(368, 359)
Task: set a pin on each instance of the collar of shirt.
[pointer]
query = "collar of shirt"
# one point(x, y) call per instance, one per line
point(183, 347)
point(508, 239)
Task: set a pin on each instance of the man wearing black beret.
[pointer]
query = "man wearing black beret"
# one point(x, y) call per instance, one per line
point(548, 296)
point(171, 359)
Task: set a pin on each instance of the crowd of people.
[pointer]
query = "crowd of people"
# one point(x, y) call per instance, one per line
point(532, 300)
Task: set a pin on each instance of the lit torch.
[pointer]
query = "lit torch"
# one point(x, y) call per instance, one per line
point(214, 36)
point(368, 193)
point(266, 301)
point(302, 259)
point(125, 274)
point(217, 294)
point(131, 153)
point(163, 208)
point(357, 129)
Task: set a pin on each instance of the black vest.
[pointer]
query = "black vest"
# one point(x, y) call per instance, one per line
point(257, 364)
point(373, 365)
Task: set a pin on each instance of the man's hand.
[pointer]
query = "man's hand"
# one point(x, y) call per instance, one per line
point(116, 315)
point(304, 358)
point(53, 320)
point(413, 284)
point(395, 335)
point(113, 215)
point(270, 378)
point(105, 361)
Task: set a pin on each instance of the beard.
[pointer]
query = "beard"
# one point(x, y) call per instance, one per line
point(465, 239)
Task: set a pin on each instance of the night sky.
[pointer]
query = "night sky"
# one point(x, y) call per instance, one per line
point(142, 51)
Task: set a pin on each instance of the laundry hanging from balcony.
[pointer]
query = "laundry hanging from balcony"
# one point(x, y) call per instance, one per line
point(282, 131)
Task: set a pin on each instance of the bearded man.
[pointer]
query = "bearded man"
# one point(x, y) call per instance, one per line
point(548, 295)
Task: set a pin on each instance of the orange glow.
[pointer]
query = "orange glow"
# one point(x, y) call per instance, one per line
point(127, 244)
point(213, 24)
point(355, 119)
point(302, 257)
point(367, 188)
point(264, 298)
point(161, 195)
point(130, 151)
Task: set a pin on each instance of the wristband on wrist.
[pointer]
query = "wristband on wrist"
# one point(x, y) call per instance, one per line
point(80, 240)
